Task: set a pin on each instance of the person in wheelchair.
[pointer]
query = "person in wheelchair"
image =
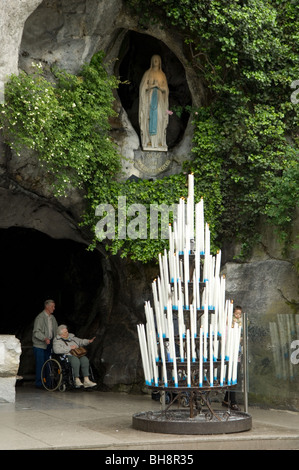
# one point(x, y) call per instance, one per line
point(63, 343)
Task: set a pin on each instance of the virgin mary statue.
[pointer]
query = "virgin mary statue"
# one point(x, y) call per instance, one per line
point(153, 107)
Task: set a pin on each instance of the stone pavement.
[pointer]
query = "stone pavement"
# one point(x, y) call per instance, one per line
point(95, 420)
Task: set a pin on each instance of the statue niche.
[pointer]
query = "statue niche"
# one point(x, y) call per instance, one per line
point(153, 107)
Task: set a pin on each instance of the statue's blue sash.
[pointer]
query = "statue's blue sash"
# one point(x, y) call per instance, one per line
point(153, 115)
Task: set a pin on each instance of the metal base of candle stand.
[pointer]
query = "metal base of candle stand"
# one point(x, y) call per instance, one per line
point(178, 422)
point(200, 418)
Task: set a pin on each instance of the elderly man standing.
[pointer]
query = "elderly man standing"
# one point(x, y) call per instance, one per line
point(44, 330)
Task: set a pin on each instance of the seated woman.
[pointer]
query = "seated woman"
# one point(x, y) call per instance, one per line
point(63, 343)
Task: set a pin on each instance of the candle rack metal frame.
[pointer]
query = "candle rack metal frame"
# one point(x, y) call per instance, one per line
point(184, 369)
point(190, 410)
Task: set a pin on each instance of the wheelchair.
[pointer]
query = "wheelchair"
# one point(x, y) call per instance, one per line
point(57, 374)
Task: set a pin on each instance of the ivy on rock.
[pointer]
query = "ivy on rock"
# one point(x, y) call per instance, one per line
point(245, 142)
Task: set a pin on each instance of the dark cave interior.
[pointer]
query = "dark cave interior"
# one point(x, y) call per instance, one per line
point(35, 267)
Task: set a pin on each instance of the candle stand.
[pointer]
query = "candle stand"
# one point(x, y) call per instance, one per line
point(190, 346)
point(191, 410)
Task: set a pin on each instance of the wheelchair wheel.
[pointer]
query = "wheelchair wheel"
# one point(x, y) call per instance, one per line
point(51, 375)
point(185, 400)
point(62, 387)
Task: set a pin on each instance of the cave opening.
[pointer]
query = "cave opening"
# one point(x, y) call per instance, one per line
point(36, 267)
point(134, 59)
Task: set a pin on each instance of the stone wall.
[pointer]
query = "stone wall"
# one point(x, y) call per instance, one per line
point(10, 351)
point(267, 287)
point(12, 19)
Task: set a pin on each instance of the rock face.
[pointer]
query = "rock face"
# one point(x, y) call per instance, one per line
point(67, 34)
point(263, 289)
point(109, 301)
point(10, 350)
point(13, 17)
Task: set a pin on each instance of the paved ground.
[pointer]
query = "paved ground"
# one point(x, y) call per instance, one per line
point(82, 420)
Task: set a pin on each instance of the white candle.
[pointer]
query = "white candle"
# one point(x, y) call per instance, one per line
point(199, 227)
point(161, 305)
point(165, 268)
point(157, 308)
point(222, 306)
point(206, 319)
point(181, 270)
point(205, 331)
point(181, 329)
point(161, 326)
point(172, 343)
point(216, 303)
point(160, 332)
point(151, 353)
point(223, 346)
point(229, 332)
point(171, 239)
point(200, 355)
point(181, 211)
point(236, 353)
point(220, 318)
point(175, 282)
point(166, 335)
point(145, 371)
point(211, 283)
point(230, 359)
point(195, 322)
point(155, 344)
point(162, 282)
point(197, 266)
point(144, 353)
point(151, 322)
point(186, 292)
point(216, 346)
point(155, 367)
point(175, 372)
point(180, 293)
point(177, 225)
point(187, 244)
point(198, 299)
point(211, 356)
point(170, 331)
point(164, 370)
point(194, 300)
point(207, 239)
point(230, 341)
point(177, 266)
point(161, 266)
point(167, 286)
point(176, 236)
point(191, 186)
point(190, 217)
point(171, 266)
point(218, 264)
point(193, 333)
point(188, 359)
point(206, 268)
point(171, 252)
point(186, 279)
